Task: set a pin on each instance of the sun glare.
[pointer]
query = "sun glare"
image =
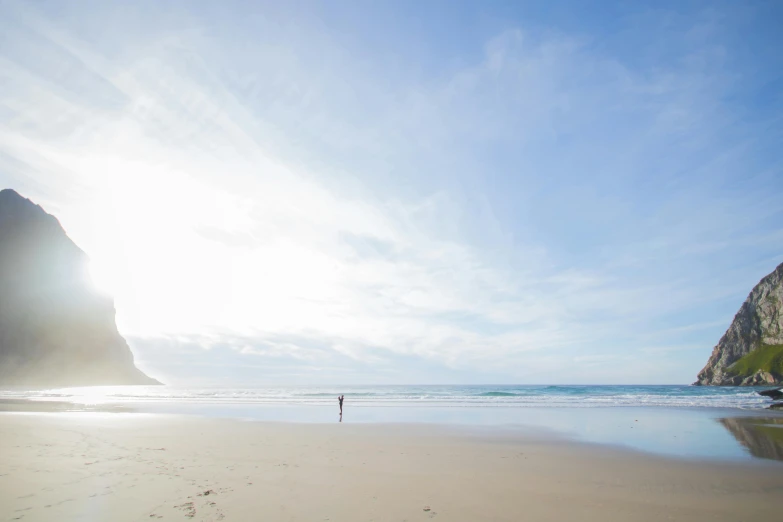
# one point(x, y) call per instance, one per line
point(177, 256)
point(102, 277)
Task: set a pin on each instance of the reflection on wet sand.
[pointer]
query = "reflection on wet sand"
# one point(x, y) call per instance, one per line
point(763, 436)
point(21, 405)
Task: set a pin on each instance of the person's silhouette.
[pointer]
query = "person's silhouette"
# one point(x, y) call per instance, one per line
point(341, 398)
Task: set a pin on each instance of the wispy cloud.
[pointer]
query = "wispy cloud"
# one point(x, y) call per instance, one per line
point(540, 212)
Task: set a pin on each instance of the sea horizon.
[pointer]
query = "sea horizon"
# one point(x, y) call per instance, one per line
point(512, 395)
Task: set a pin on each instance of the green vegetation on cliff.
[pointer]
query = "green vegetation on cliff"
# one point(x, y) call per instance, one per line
point(768, 357)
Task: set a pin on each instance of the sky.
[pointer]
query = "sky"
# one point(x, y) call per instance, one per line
point(406, 192)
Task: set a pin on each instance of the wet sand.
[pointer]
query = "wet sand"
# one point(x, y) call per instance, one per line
point(670, 432)
point(98, 466)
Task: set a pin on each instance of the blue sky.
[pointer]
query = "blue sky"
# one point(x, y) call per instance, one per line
point(428, 192)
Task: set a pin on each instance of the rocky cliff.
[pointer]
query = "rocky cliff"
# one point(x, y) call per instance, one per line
point(55, 329)
point(751, 350)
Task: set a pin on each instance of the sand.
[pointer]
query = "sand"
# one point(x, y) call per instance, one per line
point(116, 467)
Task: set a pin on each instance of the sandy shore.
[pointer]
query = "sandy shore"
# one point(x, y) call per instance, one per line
point(96, 467)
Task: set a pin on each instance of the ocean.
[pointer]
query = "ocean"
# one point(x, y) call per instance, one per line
point(483, 396)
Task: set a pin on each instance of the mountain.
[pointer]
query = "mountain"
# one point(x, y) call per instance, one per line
point(751, 351)
point(55, 329)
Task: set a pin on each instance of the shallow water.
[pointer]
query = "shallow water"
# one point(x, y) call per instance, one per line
point(696, 433)
point(679, 421)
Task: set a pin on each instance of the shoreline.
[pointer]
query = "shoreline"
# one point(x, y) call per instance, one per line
point(128, 467)
point(695, 434)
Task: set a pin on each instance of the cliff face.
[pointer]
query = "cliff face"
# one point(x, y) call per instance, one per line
point(55, 329)
point(750, 352)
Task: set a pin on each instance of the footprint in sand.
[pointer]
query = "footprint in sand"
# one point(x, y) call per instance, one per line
point(188, 508)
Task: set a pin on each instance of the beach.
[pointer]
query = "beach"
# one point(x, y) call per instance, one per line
point(115, 466)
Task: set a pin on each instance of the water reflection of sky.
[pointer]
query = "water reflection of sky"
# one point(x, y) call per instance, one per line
point(681, 432)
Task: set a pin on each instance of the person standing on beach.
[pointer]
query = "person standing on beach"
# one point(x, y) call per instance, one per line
point(340, 398)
